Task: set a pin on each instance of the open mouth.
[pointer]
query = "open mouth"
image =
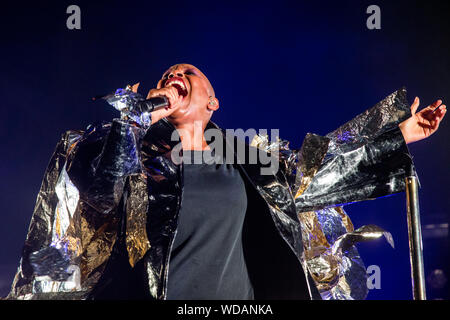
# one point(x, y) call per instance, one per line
point(178, 84)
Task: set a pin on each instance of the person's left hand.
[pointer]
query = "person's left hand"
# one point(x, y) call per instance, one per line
point(423, 124)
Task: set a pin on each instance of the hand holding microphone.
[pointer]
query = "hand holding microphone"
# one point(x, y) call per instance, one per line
point(171, 96)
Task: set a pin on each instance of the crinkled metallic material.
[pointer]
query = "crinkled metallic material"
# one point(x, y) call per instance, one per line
point(56, 267)
point(384, 116)
point(330, 254)
point(356, 169)
point(332, 164)
point(352, 150)
point(125, 101)
point(364, 233)
point(352, 273)
point(137, 207)
point(74, 224)
point(116, 183)
point(310, 157)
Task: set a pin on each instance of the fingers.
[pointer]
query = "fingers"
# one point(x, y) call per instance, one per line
point(435, 104)
point(170, 92)
point(151, 93)
point(161, 92)
point(430, 117)
point(174, 102)
point(436, 117)
point(415, 105)
point(432, 111)
point(440, 113)
point(173, 95)
point(432, 107)
point(135, 87)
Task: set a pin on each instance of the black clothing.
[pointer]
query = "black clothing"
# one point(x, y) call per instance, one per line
point(207, 260)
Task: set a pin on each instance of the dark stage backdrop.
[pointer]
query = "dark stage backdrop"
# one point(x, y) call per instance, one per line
point(300, 66)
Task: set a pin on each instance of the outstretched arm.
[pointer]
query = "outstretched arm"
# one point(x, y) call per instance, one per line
point(366, 157)
point(422, 124)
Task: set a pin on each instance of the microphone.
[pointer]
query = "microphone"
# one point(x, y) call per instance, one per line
point(152, 104)
point(124, 99)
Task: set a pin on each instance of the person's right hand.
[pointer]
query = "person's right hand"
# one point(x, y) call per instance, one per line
point(174, 102)
point(170, 93)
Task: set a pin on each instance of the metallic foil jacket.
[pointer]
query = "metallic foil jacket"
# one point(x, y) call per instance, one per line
point(114, 188)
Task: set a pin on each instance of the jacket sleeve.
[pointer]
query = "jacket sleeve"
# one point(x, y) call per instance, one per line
point(101, 170)
point(366, 158)
point(104, 160)
point(75, 221)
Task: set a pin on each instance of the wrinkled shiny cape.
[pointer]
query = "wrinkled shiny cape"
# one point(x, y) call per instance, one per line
point(117, 172)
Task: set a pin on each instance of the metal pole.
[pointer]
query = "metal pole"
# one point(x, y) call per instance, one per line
point(415, 237)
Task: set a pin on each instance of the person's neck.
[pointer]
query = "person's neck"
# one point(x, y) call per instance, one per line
point(192, 136)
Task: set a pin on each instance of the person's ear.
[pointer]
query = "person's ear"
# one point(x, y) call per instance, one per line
point(213, 104)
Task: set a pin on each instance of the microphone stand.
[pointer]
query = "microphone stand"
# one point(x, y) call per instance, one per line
point(415, 235)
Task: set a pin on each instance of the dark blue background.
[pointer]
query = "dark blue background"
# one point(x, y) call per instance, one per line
point(299, 66)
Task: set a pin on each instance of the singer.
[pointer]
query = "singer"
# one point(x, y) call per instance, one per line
point(117, 217)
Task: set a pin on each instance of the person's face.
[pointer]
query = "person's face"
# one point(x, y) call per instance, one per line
point(195, 88)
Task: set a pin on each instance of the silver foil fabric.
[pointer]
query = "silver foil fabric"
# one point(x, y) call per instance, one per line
point(353, 163)
point(125, 101)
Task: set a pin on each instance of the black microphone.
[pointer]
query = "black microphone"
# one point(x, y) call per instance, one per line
point(152, 104)
point(137, 105)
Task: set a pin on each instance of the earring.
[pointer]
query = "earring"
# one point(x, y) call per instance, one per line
point(212, 102)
